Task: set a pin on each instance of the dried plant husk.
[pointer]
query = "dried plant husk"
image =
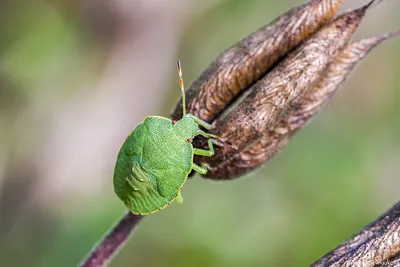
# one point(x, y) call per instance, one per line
point(302, 111)
point(378, 244)
point(244, 63)
point(262, 106)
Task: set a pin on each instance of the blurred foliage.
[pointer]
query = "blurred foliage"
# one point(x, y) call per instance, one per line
point(335, 176)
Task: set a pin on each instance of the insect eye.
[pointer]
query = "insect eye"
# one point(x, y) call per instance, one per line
point(190, 140)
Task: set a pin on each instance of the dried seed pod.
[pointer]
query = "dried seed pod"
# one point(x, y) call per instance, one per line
point(262, 106)
point(276, 138)
point(244, 63)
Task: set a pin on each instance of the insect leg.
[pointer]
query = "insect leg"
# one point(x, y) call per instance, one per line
point(204, 152)
point(200, 121)
point(219, 141)
point(197, 168)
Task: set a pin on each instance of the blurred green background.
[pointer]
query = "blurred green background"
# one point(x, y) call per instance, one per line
point(76, 76)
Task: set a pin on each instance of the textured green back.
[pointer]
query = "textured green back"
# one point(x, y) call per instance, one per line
point(154, 154)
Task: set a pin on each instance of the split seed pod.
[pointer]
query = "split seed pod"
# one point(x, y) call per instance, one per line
point(264, 103)
point(258, 108)
point(244, 63)
point(276, 138)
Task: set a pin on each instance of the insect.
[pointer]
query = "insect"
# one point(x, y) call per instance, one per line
point(156, 158)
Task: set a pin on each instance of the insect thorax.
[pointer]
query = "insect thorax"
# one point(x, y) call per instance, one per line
point(186, 128)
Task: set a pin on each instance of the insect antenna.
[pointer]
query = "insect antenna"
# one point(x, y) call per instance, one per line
point(178, 63)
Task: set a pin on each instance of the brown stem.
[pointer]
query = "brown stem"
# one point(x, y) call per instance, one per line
point(378, 244)
point(112, 241)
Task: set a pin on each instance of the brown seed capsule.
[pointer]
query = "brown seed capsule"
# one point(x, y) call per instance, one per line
point(276, 138)
point(262, 106)
point(244, 63)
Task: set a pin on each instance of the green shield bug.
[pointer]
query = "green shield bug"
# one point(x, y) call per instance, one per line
point(156, 158)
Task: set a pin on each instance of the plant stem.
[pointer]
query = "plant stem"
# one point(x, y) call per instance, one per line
point(378, 244)
point(110, 244)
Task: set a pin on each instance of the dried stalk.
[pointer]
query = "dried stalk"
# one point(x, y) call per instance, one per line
point(112, 241)
point(378, 244)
